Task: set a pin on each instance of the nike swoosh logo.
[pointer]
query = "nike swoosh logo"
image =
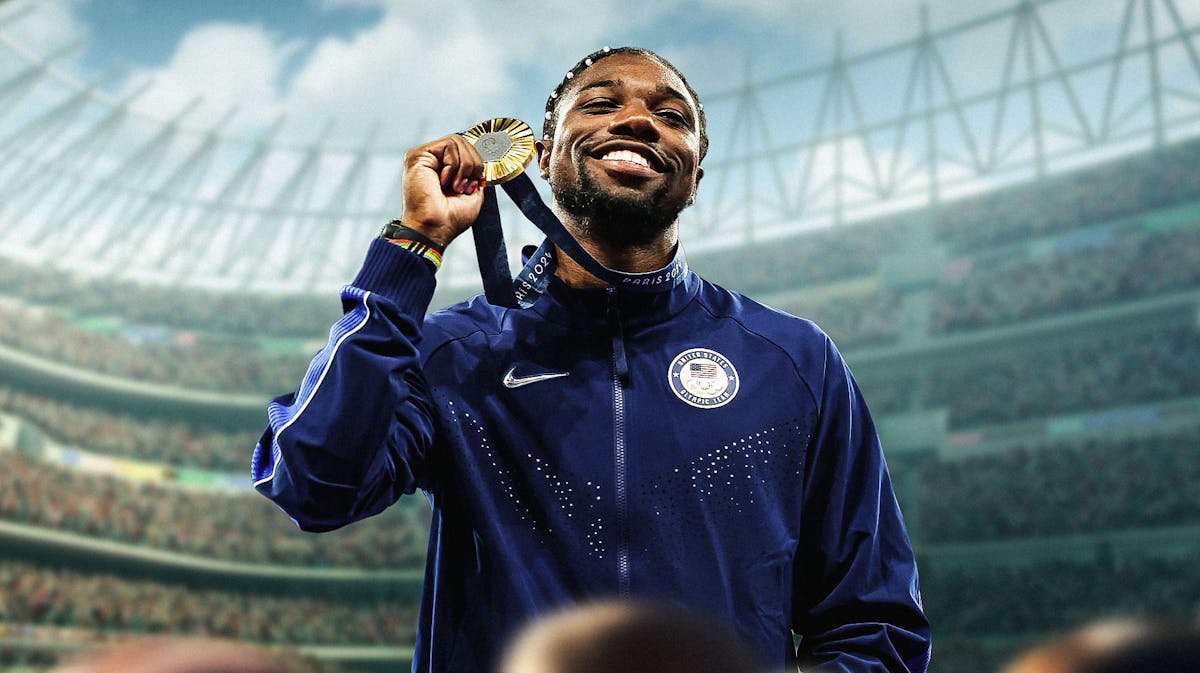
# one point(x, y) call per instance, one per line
point(511, 381)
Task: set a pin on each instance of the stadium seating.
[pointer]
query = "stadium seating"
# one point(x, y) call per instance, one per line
point(1090, 372)
point(166, 442)
point(1076, 485)
point(37, 595)
point(240, 527)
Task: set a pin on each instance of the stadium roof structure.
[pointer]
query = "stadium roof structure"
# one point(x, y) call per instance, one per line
point(90, 182)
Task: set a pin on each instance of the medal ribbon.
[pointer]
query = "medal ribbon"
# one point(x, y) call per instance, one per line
point(498, 284)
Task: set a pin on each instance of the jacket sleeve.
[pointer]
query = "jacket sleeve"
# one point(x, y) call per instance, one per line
point(857, 603)
point(356, 433)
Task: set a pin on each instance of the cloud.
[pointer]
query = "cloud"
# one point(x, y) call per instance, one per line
point(230, 65)
point(47, 23)
point(419, 64)
point(399, 72)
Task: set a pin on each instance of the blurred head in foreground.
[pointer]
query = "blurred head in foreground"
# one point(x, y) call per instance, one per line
point(175, 655)
point(1116, 647)
point(625, 637)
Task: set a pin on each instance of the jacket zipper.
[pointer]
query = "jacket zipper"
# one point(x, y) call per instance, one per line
point(620, 375)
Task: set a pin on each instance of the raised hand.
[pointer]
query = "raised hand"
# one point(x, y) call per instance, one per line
point(443, 187)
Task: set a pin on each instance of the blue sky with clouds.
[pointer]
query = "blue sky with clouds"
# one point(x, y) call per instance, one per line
point(412, 63)
point(420, 69)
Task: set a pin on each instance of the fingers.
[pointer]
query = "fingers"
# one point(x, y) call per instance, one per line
point(453, 159)
point(458, 165)
point(441, 183)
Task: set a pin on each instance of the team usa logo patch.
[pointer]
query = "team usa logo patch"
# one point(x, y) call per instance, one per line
point(703, 378)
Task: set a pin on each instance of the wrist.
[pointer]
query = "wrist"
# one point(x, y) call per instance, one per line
point(441, 233)
point(414, 241)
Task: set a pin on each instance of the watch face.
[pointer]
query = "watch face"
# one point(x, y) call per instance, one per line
point(506, 145)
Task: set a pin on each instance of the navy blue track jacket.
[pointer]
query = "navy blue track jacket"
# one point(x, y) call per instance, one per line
point(688, 445)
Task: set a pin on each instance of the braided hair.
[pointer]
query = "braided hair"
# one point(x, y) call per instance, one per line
point(564, 87)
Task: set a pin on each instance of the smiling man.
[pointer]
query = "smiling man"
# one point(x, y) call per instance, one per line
point(621, 188)
point(674, 441)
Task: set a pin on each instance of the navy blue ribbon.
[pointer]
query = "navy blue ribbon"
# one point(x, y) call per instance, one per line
point(498, 284)
point(492, 253)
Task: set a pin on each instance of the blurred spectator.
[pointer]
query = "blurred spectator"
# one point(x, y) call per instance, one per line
point(1069, 654)
point(176, 655)
point(1116, 647)
point(1162, 650)
point(627, 637)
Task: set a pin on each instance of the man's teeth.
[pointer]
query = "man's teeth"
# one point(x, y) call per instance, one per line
point(626, 155)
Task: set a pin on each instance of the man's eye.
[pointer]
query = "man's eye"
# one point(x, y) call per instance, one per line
point(673, 115)
point(598, 104)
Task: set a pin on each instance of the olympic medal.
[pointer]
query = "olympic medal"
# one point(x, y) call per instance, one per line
point(506, 145)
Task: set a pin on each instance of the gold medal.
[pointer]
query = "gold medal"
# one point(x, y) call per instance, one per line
point(506, 145)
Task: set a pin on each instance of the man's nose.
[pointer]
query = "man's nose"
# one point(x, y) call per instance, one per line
point(636, 120)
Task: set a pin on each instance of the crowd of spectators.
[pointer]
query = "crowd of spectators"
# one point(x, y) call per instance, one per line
point(1132, 265)
point(858, 320)
point(1079, 199)
point(1117, 189)
point(235, 527)
point(1015, 285)
point(224, 312)
point(988, 290)
point(193, 362)
point(891, 394)
point(108, 603)
point(165, 442)
point(1003, 291)
point(865, 318)
point(812, 259)
point(22, 659)
point(1052, 596)
point(1080, 485)
point(1047, 379)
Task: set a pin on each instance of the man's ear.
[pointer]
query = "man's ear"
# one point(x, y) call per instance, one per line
point(543, 148)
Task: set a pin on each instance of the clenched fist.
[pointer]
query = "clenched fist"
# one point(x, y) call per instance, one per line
point(443, 187)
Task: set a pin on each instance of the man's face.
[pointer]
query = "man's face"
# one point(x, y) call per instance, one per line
point(625, 156)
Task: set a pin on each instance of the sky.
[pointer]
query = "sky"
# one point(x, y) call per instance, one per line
point(418, 67)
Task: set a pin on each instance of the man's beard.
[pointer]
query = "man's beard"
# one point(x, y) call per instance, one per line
point(622, 221)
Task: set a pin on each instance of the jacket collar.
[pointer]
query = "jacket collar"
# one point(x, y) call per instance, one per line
point(589, 307)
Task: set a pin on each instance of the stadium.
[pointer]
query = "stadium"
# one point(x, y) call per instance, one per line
point(1008, 257)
